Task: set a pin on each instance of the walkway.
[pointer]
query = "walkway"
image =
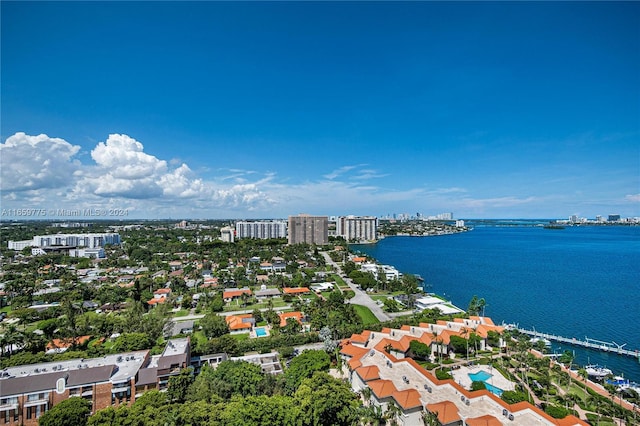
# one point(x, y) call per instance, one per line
point(586, 343)
point(224, 314)
point(361, 297)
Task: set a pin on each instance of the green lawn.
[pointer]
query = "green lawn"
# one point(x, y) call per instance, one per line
point(233, 306)
point(366, 314)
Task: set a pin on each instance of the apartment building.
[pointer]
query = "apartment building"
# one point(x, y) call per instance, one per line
point(357, 228)
point(261, 229)
point(28, 391)
point(378, 361)
point(227, 234)
point(308, 229)
point(91, 241)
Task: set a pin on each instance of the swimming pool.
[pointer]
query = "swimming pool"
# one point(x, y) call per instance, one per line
point(261, 332)
point(483, 376)
point(480, 376)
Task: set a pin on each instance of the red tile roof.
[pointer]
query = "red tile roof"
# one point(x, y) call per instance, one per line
point(236, 322)
point(382, 388)
point(407, 399)
point(447, 411)
point(486, 420)
point(295, 290)
point(371, 372)
point(353, 351)
point(230, 294)
point(354, 363)
point(286, 315)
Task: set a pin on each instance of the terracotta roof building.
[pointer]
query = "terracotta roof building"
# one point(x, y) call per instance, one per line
point(415, 390)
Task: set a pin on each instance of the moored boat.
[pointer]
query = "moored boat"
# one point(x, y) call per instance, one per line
point(597, 372)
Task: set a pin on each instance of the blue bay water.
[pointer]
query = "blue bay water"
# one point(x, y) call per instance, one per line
point(575, 282)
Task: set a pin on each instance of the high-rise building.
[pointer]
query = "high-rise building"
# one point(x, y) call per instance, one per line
point(308, 229)
point(227, 234)
point(261, 229)
point(357, 228)
point(75, 240)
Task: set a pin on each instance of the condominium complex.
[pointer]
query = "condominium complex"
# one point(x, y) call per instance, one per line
point(261, 229)
point(69, 240)
point(357, 228)
point(227, 234)
point(378, 361)
point(308, 229)
point(28, 391)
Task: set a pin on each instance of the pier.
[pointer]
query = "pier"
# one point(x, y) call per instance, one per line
point(599, 345)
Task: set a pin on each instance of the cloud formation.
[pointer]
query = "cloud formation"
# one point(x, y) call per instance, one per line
point(36, 162)
point(44, 172)
point(39, 170)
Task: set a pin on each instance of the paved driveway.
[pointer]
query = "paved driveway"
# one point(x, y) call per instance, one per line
point(361, 297)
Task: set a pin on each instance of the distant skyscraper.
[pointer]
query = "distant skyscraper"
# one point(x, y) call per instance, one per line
point(308, 229)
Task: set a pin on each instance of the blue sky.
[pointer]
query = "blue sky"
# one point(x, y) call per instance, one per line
point(251, 110)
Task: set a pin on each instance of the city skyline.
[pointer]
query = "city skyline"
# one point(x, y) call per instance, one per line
point(265, 110)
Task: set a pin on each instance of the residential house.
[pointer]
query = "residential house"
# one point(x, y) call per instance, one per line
point(231, 294)
point(240, 323)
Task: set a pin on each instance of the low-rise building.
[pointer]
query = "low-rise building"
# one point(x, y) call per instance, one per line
point(28, 391)
point(377, 360)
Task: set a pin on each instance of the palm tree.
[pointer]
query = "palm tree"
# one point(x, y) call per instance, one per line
point(481, 305)
point(438, 341)
point(373, 415)
point(430, 418)
point(393, 410)
point(464, 332)
point(366, 395)
point(595, 400)
point(12, 337)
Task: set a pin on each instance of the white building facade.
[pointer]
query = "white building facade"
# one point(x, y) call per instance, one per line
point(261, 229)
point(73, 240)
point(357, 228)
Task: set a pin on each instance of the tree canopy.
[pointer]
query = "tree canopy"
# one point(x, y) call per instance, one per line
point(70, 412)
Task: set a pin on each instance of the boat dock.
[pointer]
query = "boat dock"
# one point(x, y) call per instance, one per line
point(599, 345)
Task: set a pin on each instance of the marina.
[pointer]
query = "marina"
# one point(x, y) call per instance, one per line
point(586, 343)
point(506, 265)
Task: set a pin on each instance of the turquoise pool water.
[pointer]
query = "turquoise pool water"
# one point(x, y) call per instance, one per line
point(483, 376)
point(494, 390)
point(261, 332)
point(480, 376)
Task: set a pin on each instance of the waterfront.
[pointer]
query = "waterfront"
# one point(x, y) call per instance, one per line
point(575, 282)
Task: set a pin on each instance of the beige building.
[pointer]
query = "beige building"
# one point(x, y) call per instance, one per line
point(308, 229)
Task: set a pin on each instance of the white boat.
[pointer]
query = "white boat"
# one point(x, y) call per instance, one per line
point(535, 340)
point(597, 371)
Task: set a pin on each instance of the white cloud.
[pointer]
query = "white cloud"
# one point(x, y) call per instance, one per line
point(122, 174)
point(369, 174)
point(499, 202)
point(36, 162)
point(179, 183)
point(338, 172)
point(125, 158)
point(634, 198)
